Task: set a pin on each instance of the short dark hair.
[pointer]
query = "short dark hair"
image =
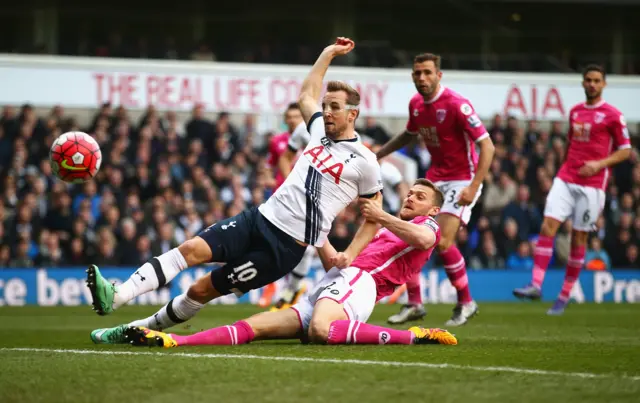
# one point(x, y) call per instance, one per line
point(594, 67)
point(438, 196)
point(293, 105)
point(428, 57)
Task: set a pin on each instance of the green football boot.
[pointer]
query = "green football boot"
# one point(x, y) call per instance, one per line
point(102, 291)
point(109, 335)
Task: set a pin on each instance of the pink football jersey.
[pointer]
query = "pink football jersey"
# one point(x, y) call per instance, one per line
point(450, 127)
point(595, 131)
point(391, 261)
point(277, 147)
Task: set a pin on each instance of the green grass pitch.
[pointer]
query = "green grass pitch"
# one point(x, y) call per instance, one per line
point(509, 353)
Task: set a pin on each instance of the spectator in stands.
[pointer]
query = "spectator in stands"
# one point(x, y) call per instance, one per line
point(526, 215)
point(373, 131)
point(521, 259)
point(596, 258)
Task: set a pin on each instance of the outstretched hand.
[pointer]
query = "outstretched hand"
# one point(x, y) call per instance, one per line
point(342, 46)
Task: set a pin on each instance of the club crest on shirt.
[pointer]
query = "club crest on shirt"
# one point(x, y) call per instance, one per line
point(416, 112)
point(441, 114)
point(599, 118)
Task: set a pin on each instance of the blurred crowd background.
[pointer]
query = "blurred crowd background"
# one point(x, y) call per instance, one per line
point(166, 175)
point(164, 179)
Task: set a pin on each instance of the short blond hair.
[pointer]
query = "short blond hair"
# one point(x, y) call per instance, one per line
point(353, 96)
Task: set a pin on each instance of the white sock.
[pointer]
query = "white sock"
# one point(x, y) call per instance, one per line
point(150, 276)
point(178, 310)
point(293, 282)
point(299, 273)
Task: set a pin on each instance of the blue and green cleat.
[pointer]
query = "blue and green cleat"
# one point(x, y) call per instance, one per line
point(109, 335)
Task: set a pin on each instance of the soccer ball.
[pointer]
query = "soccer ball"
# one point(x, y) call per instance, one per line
point(75, 157)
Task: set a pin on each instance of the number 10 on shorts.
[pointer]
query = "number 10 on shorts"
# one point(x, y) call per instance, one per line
point(243, 273)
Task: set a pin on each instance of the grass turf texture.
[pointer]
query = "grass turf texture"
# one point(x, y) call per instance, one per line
point(591, 354)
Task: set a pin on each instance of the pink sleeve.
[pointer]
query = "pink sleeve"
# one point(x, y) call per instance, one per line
point(470, 122)
point(620, 132)
point(273, 152)
point(412, 127)
point(432, 225)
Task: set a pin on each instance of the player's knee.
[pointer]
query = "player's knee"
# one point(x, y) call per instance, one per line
point(318, 331)
point(202, 290)
point(444, 244)
point(579, 238)
point(549, 227)
point(195, 251)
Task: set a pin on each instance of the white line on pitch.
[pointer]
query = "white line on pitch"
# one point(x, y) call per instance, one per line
point(338, 361)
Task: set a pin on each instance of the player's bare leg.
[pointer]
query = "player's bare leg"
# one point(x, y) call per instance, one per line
point(325, 312)
point(456, 269)
point(150, 276)
point(574, 266)
point(331, 325)
point(178, 310)
point(541, 257)
point(414, 309)
point(263, 326)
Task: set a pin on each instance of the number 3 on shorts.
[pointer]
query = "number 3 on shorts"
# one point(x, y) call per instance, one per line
point(451, 198)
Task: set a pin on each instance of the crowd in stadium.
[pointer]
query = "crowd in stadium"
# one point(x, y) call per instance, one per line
point(163, 180)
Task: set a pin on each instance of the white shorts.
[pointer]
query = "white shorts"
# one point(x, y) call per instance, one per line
point(451, 190)
point(582, 204)
point(352, 287)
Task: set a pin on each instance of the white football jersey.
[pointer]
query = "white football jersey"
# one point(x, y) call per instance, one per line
point(327, 177)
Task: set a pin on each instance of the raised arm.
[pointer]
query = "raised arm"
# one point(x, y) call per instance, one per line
point(419, 236)
point(395, 144)
point(312, 84)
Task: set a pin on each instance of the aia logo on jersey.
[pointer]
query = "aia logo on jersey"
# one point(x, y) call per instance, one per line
point(324, 161)
point(599, 118)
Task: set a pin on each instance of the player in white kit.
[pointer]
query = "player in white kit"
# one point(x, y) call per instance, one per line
point(261, 245)
point(292, 291)
point(336, 310)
